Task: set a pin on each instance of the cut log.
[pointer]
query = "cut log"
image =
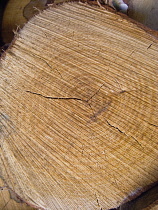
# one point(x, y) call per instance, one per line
point(79, 109)
point(17, 13)
point(10, 200)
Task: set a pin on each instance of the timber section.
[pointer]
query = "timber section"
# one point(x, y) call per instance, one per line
point(79, 109)
point(10, 201)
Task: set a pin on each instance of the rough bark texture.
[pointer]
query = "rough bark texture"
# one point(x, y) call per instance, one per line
point(79, 110)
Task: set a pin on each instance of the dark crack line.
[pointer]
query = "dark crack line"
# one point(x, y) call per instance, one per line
point(95, 93)
point(94, 114)
point(6, 204)
point(57, 98)
point(149, 46)
point(114, 127)
point(123, 132)
point(63, 98)
point(51, 66)
point(153, 124)
point(67, 98)
point(136, 140)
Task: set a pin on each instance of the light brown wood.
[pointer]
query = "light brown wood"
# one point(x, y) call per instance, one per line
point(79, 109)
point(9, 200)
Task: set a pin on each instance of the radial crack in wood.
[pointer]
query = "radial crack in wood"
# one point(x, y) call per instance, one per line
point(79, 109)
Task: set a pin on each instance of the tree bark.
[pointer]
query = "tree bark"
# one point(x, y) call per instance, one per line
point(79, 109)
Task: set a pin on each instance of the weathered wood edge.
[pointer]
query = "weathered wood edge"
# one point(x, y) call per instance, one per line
point(151, 32)
point(142, 201)
point(138, 198)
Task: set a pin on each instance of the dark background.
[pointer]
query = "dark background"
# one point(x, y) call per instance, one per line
point(3, 4)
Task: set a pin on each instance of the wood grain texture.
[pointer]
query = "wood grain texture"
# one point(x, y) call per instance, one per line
point(9, 200)
point(79, 109)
